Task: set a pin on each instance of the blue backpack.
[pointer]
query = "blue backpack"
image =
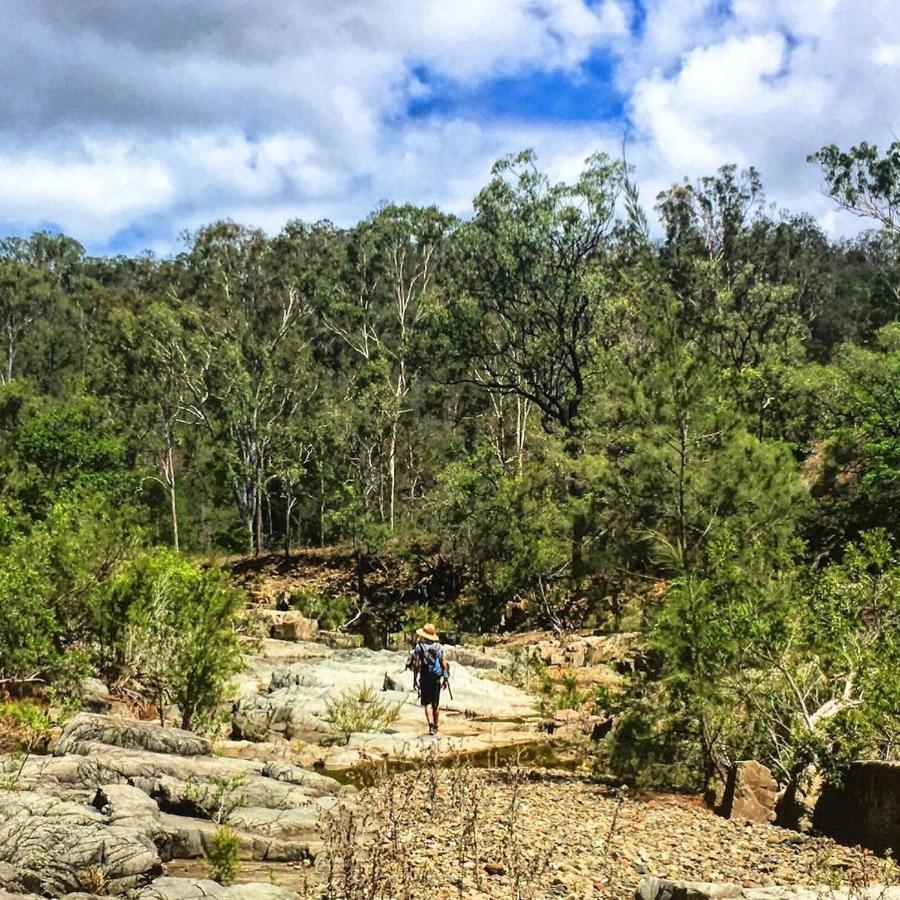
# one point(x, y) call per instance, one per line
point(430, 658)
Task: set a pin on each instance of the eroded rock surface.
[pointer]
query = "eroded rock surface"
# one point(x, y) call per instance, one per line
point(87, 729)
point(56, 847)
point(191, 888)
point(295, 704)
point(122, 796)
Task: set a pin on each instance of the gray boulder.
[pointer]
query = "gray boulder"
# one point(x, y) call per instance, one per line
point(129, 807)
point(95, 695)
point(186, 838)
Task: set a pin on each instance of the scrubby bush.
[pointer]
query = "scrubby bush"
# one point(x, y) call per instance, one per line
point(24, 728)
point(360, 709)
point(79, 593)
point(224, 854)
point(796, 671)
point(180, 638)
point(329, 610)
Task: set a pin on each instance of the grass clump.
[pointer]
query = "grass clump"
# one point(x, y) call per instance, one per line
point(360, 709)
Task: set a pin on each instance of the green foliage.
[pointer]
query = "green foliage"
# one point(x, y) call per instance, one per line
point(24, 725)
point(53, 581)
point(562, 694)
point(360, 709)
point(180, 631)
point(224, 854)
point(24, 728)
point(861, 180)
point(525, 669)
point(415, 616)
point(218, 798)
point(328, 610)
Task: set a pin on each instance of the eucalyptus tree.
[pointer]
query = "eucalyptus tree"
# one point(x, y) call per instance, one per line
point(534, 303)
point(743, 290)
point(393, 270)
point(38, 275)
point(246, 370)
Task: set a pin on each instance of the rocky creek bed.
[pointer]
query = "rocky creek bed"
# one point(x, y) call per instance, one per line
point(129, 808)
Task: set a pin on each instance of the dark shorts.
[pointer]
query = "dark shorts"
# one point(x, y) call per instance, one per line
point(431, 690)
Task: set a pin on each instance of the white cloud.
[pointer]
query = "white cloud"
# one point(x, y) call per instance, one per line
point(122, 114)
point(90, 194)
point(774, 83)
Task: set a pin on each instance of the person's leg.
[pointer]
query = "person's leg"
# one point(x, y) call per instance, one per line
point(436, 705)
point(428, 698)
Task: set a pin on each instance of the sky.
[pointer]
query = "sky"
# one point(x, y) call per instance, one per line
point(126, 122)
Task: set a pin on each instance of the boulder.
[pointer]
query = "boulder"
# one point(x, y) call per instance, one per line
point(186, 838)
point(95, 695)
point(474, 658)
point(129, 807)
point(74, 778)
point(56, 847)
point(750, 793)
point(131, 734)
point(291, 626)
point(340, 640)
point(865, 808)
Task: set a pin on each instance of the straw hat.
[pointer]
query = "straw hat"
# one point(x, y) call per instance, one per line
point(429, 632)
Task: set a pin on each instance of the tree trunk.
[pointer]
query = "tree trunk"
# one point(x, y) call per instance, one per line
point(258, 536)
point(174, 507)
point(392, 470)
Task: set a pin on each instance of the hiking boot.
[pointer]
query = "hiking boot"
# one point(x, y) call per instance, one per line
point(432, 729)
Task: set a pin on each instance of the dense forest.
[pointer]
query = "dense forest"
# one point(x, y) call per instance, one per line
point(556, 412)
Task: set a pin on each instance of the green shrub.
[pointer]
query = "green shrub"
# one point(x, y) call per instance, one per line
point(524, 668)
point(219, 798)
point(328, 610)
point(416, 616)
point(24, 728)
point(181, 638)
point(224, 854)
point(563, 694)
point(359, 709)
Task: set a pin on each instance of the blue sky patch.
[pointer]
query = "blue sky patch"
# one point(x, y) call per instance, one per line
point(587, 94)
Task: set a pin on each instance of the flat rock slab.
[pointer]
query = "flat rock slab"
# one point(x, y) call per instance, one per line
point(191, 888)
point(132, 734)
point(186, 838)
point(296, 702)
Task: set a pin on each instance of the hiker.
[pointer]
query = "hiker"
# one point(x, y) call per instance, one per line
point(431, 671)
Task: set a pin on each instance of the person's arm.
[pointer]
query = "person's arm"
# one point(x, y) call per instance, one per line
point(445, 665)
point(414, 659)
